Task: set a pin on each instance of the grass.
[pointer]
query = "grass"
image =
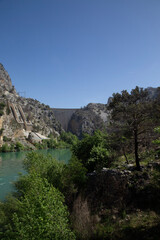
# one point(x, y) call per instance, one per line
point(140, 225)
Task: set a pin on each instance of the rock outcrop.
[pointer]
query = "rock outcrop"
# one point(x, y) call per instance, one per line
point(5, 81)
point(88, 119)
point(24, 113)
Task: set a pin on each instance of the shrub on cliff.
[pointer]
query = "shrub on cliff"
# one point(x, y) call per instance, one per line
point(19, 147)
point(2, 106)
point(5, 148)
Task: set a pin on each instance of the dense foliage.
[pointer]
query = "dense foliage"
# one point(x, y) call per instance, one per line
point(40, 211)
point(94, 151)
point(132, 118)
point(13, 147)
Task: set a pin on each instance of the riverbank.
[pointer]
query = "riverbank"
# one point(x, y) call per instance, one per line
point(11, 164)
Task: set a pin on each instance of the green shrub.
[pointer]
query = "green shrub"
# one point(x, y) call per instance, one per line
point(46, 166)
point(74, 176)
point(6, 139)
point(67, 178)
point(93, 151)
point(1, 131)
point(19, 147)
point(2, 106)
point(69, 138)
point(5, 148)
point(41, 213)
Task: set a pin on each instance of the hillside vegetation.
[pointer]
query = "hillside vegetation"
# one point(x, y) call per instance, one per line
point(110, 189)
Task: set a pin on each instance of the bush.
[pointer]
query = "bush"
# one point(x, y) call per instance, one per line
point(41, 213)
point(67, 178)
point(46, 166)
point(6, 139)
point(1, 131)
point(69, 138)
point(19, 147)
point(5, 148)
point(2, 106)
point(93, 151)
point(74, 176)
point(99, 158)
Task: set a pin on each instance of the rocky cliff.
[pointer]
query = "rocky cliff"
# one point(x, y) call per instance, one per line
point(88, 119)
point(21, 114)
point(5, 81)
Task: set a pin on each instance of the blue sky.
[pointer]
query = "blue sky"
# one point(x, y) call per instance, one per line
point(68, 53)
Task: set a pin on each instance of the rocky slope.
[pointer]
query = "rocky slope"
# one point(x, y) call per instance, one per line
point(112, 199)
point(23, 114)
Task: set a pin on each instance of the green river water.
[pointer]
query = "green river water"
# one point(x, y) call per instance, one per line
point(11, 164)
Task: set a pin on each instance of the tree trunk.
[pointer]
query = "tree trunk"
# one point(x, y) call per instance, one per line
point(136, 149)
point(124, 153)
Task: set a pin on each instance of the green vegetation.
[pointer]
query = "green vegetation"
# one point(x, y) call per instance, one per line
point(9, 146)
point(19, 147)
point(131, 116)
point(51, 143)
point(94, 151)
point(68, 178)
point(8, 111)
point(5, 148)
point(140, 225)
point(1, 131)
point(2, 106)
point(40, 213)
point(6, 139)
point(39, 210)
point(69, 138)
point(157, 141)
point(66, 140)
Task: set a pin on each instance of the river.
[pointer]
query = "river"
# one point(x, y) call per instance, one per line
point(11, 164)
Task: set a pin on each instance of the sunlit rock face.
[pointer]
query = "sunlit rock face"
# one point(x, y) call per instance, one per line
point(5, 81)
point(21, 115)
point(88, 119)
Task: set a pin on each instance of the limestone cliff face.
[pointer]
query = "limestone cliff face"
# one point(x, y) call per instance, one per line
point(5, 81)
point(88, 119)
point(24, 113)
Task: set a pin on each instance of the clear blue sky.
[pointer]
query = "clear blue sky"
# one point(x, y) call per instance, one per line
point(67, 53)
